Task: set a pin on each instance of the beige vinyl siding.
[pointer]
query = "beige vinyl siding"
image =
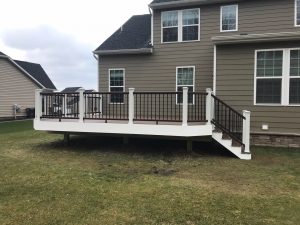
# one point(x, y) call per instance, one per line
point(15, 88)
point(235, 85)
point(157, 72)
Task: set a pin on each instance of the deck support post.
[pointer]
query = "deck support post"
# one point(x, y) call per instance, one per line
point(246, 130)
point(125, 140)
point(185, 106)
point(131, 106)
point(38, 104)
point(81, 105)
point(189, 146)
point(66, 138)
point(209, 106)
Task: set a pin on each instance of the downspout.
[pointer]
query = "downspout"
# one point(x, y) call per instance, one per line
point(98, 66)
point(215, 70)
point(152, 15)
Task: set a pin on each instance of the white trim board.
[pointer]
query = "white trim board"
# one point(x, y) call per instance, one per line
point(117, 128)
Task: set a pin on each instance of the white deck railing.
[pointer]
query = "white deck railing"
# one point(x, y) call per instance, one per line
point(222, 118)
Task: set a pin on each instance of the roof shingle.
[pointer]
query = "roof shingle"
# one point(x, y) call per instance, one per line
point(37, 72)
point(134, 34)
point(70, 90)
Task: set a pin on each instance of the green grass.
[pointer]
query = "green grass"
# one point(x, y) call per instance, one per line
point(97, 180)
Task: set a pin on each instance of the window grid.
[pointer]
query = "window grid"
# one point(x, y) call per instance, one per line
point(116, 84)
point(185, 77)
point(229, 18)
point(294, 92)
point(297, 12)
point(170, 26)
point(186, 29)
point(280, 85)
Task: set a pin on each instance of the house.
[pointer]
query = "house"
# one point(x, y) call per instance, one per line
point(18, 82)
point(197, 68)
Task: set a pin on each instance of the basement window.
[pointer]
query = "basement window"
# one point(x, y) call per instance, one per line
point(180, 25)
point(116, 84)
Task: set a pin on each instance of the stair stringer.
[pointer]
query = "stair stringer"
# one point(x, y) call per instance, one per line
point(237, 151)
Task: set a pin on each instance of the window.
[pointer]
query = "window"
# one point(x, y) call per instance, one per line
point(185, 77)
point(190, 25)
point(297, 12)
point(294, 97)
point(170, 26)
point(180, 26)
point(269, 76)
point(229, 18)
point(116, 84)
point(277, 79)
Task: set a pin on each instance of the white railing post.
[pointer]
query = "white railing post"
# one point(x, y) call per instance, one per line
point(65, 105)
point(209, 106)
point(131, 105)
point(185, 106)
point(246, 130)
point(81, 105)
point(38, 104)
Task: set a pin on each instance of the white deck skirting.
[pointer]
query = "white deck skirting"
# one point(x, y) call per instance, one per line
point(121, 128)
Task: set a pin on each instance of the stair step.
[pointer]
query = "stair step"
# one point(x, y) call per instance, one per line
point(226, 137)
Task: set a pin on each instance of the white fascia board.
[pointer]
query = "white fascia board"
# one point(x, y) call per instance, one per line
point(124, 128)
point(124, 51)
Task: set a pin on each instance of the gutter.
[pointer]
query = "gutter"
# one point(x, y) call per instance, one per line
point(256, 38)
point(182, 3)
point(124, 51)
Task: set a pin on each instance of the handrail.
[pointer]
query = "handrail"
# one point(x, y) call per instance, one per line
point(228, 120)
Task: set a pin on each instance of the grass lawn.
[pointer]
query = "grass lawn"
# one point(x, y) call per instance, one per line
point(97, 180)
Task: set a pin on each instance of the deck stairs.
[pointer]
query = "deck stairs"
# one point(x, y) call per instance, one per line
point(231, 145)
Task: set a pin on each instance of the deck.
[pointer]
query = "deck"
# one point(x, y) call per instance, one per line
point(177, 114)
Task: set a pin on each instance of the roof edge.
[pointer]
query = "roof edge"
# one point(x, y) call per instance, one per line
point(253, 38)
point(165, 5)
point(24, 71)
point(124, 51)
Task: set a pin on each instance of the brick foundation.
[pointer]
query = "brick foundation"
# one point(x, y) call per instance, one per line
point(275, 140)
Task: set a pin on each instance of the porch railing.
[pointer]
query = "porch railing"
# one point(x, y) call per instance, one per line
point(180, 107)
point(61, 106)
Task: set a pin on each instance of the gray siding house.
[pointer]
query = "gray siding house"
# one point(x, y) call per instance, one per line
point(18, 82)
point(246, 51)
point(221, 70)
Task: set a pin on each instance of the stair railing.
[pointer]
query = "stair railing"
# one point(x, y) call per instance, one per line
point(231, 122)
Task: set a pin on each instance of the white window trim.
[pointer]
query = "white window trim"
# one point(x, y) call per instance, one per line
point(180, 27)
point(295, 16)
point(109, 87)
point(236, 18)
point(194, 72)
point(285, 78)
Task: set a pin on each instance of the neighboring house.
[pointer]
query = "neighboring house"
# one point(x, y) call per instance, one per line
point(18, 82)
point(198, 64)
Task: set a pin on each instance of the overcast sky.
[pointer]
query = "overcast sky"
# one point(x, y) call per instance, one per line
point(61, 34)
